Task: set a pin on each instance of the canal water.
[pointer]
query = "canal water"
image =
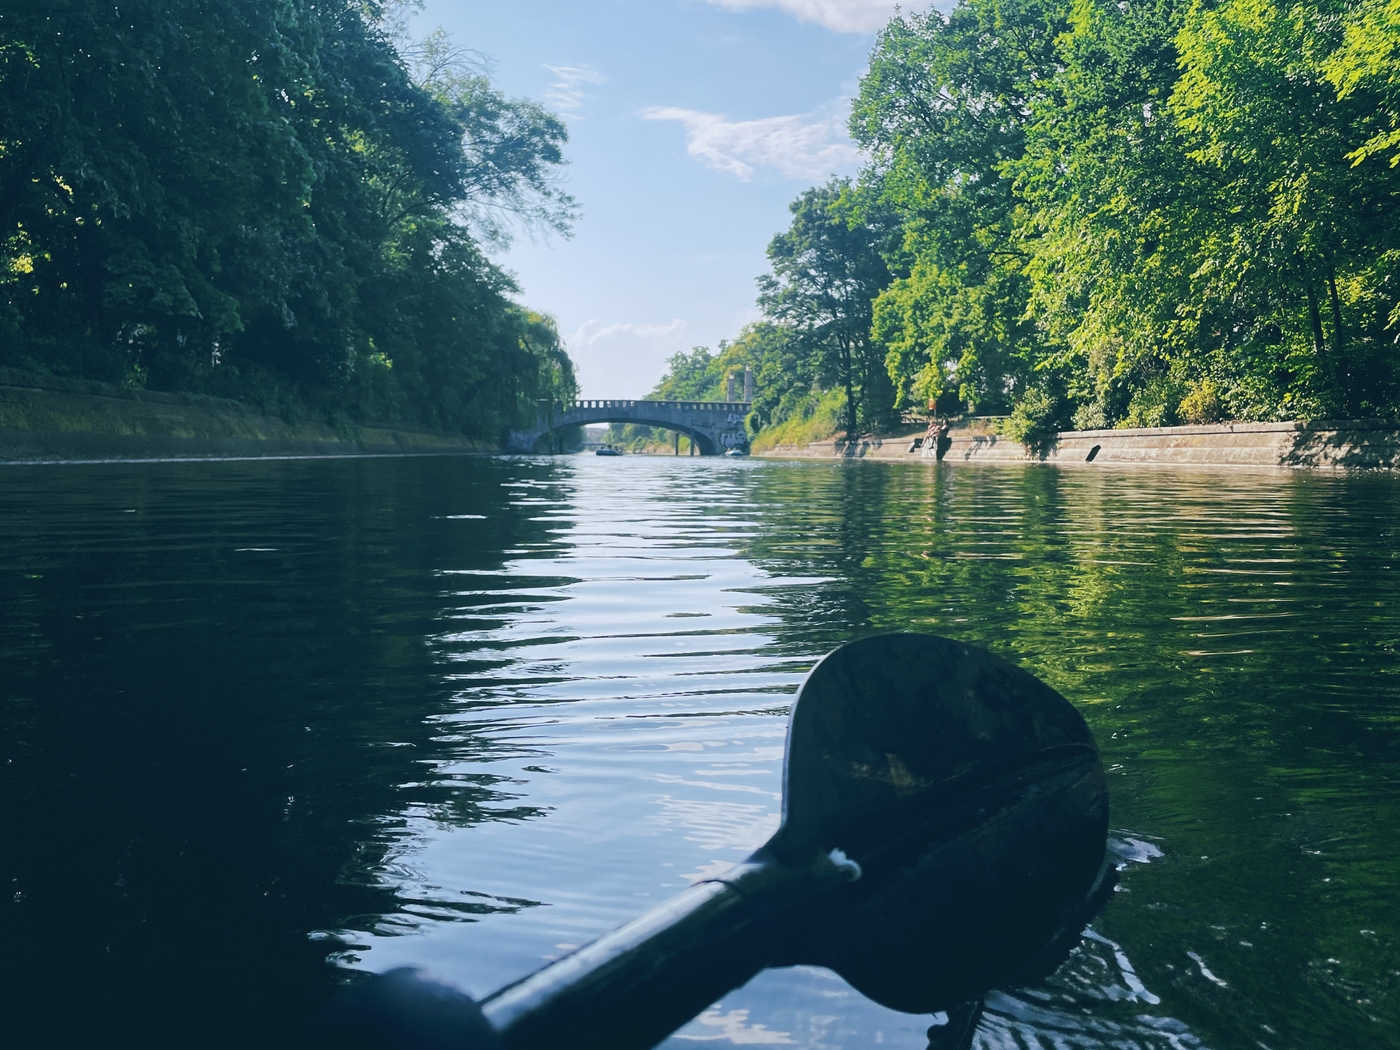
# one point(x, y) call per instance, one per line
point(263, 723)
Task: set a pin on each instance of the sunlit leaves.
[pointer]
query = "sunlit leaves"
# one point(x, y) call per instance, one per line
point(944, 109)
point(1369, 61)
point(1135, 203)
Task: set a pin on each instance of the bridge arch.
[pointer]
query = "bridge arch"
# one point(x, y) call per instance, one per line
point(703, 442)
point(714, 426)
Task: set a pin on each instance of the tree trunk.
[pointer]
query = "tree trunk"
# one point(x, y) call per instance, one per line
point(1343, 374)
point(1328, 363)
point(851, 432)
point(1319, 345)
point(1336, 313)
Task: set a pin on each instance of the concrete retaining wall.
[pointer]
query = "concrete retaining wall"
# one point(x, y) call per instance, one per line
point(48, 418)
point(1324, 445)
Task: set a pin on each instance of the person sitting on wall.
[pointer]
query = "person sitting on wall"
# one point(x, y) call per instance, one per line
point(936, 437)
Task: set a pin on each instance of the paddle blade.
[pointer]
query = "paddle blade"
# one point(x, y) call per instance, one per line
point(972, 796)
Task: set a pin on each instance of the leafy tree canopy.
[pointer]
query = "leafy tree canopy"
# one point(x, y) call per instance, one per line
point(268, 199)
point(1102, 213)
point(827, 269)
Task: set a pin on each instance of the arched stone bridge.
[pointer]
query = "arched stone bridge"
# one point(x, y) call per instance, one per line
point(714, 426)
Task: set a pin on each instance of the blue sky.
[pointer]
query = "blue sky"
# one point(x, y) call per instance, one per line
point(692, 125)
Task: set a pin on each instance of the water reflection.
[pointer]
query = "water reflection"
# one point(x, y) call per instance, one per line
point(215, 690)
point(1233, 639)
point(470, 713)
point(632, 693)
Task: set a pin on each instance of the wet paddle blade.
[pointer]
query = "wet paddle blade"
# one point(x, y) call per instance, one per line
point(972, 796)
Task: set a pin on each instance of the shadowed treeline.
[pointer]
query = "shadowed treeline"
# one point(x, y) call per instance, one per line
point(279, 202)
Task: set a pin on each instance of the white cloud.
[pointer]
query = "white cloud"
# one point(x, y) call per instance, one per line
point(570, 87)
point(807, 146)
point(844, 16)
point(624, 360)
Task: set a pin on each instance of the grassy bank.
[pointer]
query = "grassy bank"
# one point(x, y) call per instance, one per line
point(823, 421)
point(51, 418)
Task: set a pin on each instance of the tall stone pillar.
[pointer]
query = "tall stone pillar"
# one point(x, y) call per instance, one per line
point(748, 384)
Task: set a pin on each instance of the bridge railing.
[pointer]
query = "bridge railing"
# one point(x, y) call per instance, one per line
point(684, 406)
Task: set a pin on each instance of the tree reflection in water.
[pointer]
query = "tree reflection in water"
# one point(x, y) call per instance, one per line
point(215, 688)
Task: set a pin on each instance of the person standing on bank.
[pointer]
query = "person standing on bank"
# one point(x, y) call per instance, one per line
point(936, 437)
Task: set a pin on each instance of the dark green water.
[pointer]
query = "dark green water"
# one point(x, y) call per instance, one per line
point(261, 722)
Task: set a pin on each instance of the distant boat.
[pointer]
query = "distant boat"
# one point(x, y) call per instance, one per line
point(608, 450)
point(736, 452)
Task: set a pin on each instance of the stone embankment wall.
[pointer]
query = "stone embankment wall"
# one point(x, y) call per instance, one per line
point(1327, 445)
point(48, 418)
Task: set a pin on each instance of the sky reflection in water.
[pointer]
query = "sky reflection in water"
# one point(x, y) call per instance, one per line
point(694, 710)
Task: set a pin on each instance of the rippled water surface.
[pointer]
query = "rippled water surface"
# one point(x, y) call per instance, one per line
point(263, 722)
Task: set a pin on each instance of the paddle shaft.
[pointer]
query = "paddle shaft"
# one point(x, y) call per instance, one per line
point(635, 986)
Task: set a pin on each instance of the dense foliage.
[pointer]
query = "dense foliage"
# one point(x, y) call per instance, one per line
point(1104, 212)
point(827, 270)
point(280, 200)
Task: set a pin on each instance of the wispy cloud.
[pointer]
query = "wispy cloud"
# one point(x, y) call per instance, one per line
point(843, 16)
point(806, 146)
point(590, 333)
point(624, 359)
point(570, 87)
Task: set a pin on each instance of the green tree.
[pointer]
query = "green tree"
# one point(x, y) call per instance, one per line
point(513, 148)
point(1145, 211)
point(255, 198)
point(943, 110)
point(1104, 185)
point(1309, 241)
point(827, 269)
point(1369, 61)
